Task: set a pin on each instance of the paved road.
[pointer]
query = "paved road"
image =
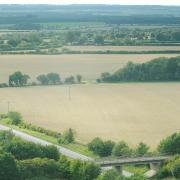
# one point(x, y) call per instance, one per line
point(62, 150)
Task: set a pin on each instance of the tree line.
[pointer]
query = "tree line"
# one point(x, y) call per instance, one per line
point(18, 79)
point(161, 69)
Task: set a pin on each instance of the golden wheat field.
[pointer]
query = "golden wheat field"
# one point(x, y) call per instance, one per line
point(123, 48)
point(89, 66)
point(133, 112)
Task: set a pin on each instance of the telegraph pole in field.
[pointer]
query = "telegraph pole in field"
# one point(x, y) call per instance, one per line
point(69, 92)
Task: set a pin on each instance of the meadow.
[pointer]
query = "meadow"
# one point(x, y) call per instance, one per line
point(133, 112)
point(89, 66)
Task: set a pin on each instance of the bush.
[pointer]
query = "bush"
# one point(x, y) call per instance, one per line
point(111, 174)
point(39, 167)
point(3, 85)
point(101, 148)
point(67, 137)
point(121, 149)
point(15, 117)
point(170, 145)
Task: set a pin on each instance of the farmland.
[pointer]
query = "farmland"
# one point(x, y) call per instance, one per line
point(129, 111)
point(89, 66)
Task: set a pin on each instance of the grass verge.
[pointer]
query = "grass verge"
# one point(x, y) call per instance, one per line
point(77, 147)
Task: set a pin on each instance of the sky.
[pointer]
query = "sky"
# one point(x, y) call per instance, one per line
point(122, 2)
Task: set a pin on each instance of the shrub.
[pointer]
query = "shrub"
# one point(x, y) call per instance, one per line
point(15, 117)
point(170, 145)
point(121, 149)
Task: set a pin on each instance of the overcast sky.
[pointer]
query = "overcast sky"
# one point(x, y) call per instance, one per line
point(123, 2)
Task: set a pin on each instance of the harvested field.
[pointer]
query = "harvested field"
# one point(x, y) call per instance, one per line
point(133, 112)
point(124, 48)
point(89, 66)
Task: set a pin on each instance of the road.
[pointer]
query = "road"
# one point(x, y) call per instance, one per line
point(62, 150)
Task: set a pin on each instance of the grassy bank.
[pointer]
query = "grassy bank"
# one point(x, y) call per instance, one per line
point(77, 147)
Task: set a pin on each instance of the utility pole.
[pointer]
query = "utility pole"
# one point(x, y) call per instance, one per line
point(8, 106)
point(69, 92)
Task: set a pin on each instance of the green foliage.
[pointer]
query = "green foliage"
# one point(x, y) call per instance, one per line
point(15, 117)
point(18, 79)
point(91, 171)
point(8, 167)
point(79, 78)
point(111, 174)
point(67, 137)
point(40, 129)
point(39, 167)
point(27, 150)
point(99, 40)
point(101, 148)
point(5, 137)
point(170, 145)
point(53, 78)
point(170, 168)
point(162, 69)
point(43, 79)
point(70, 80)
point(121, 149)
point(141, 149)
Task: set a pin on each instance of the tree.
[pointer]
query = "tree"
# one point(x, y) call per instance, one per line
point(121, 149)
point(15, 117)
point(28, 150)
point(43, 79)
point(76, 170)
point(142, 149)
point(70, 80)
point(79, 78)
point(170, 145)
point(67, 137)
point(8, 167)
point(101, 148)
point(97, 146)
point(99, 40)
point(38, 167)
point(91, 171)
point(18, 79)
point(53, 78)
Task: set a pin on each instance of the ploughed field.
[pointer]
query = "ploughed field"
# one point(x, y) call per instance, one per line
point(89, 66)
point(133, 112)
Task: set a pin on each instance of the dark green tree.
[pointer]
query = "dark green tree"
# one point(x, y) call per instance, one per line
point(8, 167)
point(43, 79)
point(170, 145)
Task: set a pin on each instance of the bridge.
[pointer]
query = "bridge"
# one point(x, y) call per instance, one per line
point(153, 162)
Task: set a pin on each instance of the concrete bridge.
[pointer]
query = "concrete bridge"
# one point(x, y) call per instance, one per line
point(153, 162)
